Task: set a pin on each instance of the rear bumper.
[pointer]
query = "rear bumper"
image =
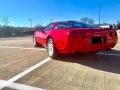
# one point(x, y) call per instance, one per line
point(87, 48)
point(84, 46)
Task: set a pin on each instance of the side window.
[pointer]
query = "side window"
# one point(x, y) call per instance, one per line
point(62, 26)
point(48, 27)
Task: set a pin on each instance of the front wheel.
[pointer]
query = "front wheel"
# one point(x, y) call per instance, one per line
point(51, 50)
point(35, 42)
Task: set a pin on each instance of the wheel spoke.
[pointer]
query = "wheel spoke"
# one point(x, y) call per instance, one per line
point(50, 48)
point(34, 41)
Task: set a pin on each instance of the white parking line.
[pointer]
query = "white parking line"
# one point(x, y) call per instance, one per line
point(109, 54)
point(19, 86)
point(13, 79)
point(3, 40)
point(23, 48)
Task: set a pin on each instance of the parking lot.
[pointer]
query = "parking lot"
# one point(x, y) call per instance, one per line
point(25, 67)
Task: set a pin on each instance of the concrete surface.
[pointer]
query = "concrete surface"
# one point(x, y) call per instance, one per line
point(75, 72)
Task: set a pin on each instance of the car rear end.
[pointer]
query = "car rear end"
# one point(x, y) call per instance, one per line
point(91, 40)
point(80, 37)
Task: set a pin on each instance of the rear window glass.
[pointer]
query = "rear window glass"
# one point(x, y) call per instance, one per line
point(74, 25)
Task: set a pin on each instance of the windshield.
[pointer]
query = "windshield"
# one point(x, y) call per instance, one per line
point(74, 25)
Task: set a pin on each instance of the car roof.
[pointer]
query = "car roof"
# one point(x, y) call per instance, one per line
point(64, 21)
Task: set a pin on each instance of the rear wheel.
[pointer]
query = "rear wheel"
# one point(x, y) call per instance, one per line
point(35, 42)
point(108, 49)
point(51, 50)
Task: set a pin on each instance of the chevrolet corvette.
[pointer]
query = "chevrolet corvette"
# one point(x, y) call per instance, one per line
point(68, 37)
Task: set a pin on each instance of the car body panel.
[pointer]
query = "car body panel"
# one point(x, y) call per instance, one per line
point(73, 40)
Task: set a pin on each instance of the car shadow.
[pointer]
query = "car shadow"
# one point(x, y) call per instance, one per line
point(109, 63)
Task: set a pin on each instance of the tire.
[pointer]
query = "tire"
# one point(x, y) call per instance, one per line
point(35, 42)
point(51, 50)
point(108, 49)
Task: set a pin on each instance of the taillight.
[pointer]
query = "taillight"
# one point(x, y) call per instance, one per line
point(74, 35)
point(67, 33)
point(110, 33)
point(115, 33)
point(77, 35)
point(82, 34)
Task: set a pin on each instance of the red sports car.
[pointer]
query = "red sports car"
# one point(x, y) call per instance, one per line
point(69, 37)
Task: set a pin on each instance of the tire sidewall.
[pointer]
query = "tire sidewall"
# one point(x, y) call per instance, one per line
point(50, 41)
point(34, 41)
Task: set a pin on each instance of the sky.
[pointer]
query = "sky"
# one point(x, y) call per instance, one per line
point(45, 11)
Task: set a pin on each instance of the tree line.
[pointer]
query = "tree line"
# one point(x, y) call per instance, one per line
point(11, 31)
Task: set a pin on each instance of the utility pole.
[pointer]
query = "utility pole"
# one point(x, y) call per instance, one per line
point(30, 20)
point(51, 20)
point(99, 15)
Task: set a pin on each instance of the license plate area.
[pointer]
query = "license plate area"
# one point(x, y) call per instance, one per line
point(97, 40)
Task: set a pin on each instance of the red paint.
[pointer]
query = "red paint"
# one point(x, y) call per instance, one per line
point(77, 39)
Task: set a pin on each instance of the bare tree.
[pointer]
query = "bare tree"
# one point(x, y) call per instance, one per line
point(87, 20)
point(118, 24)
point(5, 21)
